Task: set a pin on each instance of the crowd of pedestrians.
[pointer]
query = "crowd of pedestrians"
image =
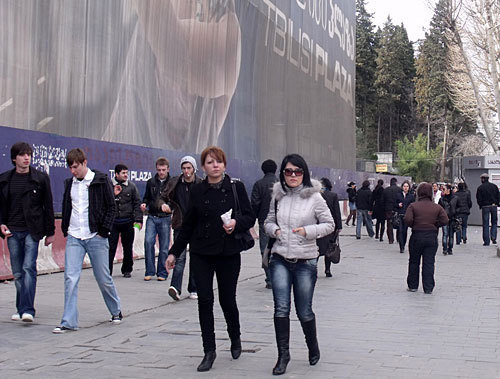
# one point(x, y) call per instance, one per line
point(299, 220)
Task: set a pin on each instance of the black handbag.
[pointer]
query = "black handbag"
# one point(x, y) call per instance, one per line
point(266, 255)
point(244, 239)
point(396, 220)
point(333, 250)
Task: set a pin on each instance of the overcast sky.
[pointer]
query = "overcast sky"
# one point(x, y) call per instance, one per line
point(414, 14)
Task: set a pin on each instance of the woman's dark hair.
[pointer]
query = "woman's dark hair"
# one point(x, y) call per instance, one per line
point(298, 161)
point(424, 191)
point(366, 183)
point(325, 182)
point(380, 183)
point(406, 182)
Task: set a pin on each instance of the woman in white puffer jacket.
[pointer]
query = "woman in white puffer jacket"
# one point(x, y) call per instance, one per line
point(302, 217)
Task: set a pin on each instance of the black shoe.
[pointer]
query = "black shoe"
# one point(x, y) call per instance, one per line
point(309, 328)
point(450, 252)
point(494, 242)
point(207, 362)
point(328, 274)
point(486, 244)
point(282, 330)
point(402, 251)
point(358, 238)
point(428, 292)
point(458, 243)
point(376, 236)
point(445, 252)
point(127, 275)
point(268, 286)
point(236, 348)
point(465, 240)
point(381, 239)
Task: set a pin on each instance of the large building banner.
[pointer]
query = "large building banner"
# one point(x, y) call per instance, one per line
point(260, 78)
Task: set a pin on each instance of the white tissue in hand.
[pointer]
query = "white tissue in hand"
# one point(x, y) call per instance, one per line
point(226, 217)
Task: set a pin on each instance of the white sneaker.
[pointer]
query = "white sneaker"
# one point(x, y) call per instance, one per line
point(174, 294)
point(15, 317)
point(193, 295)
point(27, 317)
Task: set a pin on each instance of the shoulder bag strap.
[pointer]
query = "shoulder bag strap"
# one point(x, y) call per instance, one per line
point(237, 209)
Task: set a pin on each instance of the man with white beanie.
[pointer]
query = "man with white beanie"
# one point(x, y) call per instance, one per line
point(175, 197)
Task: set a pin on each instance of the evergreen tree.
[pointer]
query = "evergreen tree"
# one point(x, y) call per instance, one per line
point(445, 125)
point(394, 84)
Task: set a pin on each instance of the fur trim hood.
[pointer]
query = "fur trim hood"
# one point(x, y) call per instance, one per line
point(305, 192)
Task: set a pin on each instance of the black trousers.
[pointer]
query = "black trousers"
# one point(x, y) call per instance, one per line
point(127, 232)
point(227, 271)
point(423, 246)
point(390, 231)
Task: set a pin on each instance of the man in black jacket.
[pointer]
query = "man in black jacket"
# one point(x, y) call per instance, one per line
point(390, 201)
point(261, 201)
point(364, 208)
point(158, 222)
point(488, 198)
point(88, 211)
point(332, 201)
point(26, 216)
point(175, 199)
point(128, 214)
point(464, 205)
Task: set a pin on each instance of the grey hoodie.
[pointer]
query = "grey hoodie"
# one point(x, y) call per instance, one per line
point(298, 207)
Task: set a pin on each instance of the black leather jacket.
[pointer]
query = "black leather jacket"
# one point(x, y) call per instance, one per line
point(38, 208)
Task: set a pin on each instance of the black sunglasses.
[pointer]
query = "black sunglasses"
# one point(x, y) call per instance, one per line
point(290, 172)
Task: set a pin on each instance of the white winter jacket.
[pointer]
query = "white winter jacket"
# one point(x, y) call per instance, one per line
point(298, 207)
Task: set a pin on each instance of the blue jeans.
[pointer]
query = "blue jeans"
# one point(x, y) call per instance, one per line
point(178, 273)
point(97, 248)
point(487, 211)
point(263, 240)
point(301, 277)
point(364, 217)
point(156, 226)
point(448, 237)
point(462, 231)
point(23, 254)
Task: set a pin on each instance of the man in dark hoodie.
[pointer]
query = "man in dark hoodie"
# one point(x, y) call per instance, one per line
point(88, 212)
point(449, 202)
point(175, 199)
point(157, 223)
point(390, 202)
point(424, 217)
point(488, 199)
point(364, 205)
point(261, 201)
point(464, 205)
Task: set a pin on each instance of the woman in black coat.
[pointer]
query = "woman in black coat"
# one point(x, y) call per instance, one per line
point(332, 201)
point(214, 248)
point(379, 209)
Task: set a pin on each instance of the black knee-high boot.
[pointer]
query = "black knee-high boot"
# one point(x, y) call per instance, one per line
point(309, 328)
point(282, 330)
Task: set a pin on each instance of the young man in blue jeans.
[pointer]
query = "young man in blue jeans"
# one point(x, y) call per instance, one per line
point(26, 216)
point(88, 213)
point(157, 223)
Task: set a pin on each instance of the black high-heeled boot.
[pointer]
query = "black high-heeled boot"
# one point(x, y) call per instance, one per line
point(208, 361)
point(282, 330)
point(236, 348)
point(309, 328)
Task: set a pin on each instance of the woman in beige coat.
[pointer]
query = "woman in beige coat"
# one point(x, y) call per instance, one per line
point(302, 216)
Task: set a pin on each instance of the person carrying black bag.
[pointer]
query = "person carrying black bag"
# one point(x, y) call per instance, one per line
point(332, 201)
point(214, 248)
